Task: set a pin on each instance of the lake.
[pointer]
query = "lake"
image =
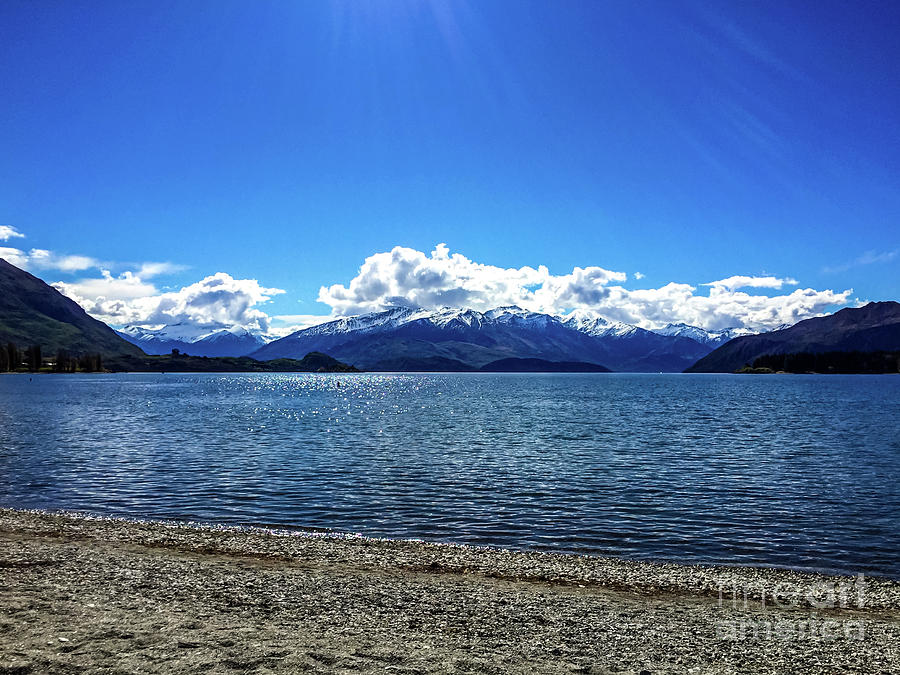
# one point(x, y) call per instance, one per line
point(790, 471)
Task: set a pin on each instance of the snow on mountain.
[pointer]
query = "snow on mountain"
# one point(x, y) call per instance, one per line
point(701, 335)
point(179, 332)
point(443, 317)
point(362, 323)
point(522, 317)
point(194, 340)
point(233, 333)
point(402, 338)
point(597, 326)
point(579, 320)
point(460, 336)
point(448, 316)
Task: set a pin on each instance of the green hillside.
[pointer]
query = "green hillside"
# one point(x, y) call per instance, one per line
point(34, 313)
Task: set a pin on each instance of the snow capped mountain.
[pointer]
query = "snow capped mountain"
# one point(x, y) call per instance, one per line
point(512, 315)
point(597, 326)
point(706, 337)
point(233, 333)
point(405, 338)
point(178, 332)
point(445, 317)
point(402, 338)
point(194, 340)
point(362, 323)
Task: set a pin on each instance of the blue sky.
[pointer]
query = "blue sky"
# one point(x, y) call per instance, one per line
point(288, 142)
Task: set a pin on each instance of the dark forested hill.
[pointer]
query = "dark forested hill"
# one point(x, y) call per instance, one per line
point(872, 328)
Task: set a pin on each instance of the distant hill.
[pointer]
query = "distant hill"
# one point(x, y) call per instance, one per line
point(182, 363)
point(872, 328)
point(448, 339)
point(34, 313)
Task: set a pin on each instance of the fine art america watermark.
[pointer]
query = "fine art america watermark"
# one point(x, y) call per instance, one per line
point(823, 600)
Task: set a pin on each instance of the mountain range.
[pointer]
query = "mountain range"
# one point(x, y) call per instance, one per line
point(402, 338)
point(380, 343)
point(448, 339)
point(872, 328)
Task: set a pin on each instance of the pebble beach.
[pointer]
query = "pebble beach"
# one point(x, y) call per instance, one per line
point(87, 594)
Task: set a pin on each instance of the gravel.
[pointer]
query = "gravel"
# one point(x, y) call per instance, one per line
point(81, 593)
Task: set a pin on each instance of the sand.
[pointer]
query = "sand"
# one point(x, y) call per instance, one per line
point(82, 594)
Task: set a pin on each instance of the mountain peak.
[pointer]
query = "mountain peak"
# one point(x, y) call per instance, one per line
point(596, 325)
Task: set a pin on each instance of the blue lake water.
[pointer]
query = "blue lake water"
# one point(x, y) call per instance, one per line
point(792, 471)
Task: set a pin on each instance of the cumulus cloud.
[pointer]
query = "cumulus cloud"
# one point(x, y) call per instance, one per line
point(404, 276)
point(407, 277)
point(722, 308)
point(7, 233)
point(217, 301)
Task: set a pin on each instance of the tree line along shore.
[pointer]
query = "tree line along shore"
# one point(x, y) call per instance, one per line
point(827, 363)
point(32, 360)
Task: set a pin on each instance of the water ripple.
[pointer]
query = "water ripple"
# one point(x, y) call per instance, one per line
point(797, 471)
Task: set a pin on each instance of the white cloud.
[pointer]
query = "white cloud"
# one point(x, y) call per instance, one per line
point(44, 259)
point(125, 286)
point(405, 276)
point(14, 256)
point(732, 283)
point(7, 233)
point(217, 301)
point(722, 308)
point(39, 258)
point(638, 276)
point(155, 269)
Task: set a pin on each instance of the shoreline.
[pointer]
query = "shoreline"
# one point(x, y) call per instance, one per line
point(412, 606)
point(678, 573)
